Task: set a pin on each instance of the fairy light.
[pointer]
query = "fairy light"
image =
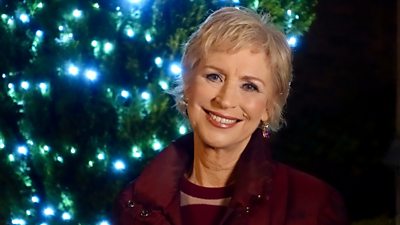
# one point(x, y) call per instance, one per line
point(39, 33)
point(163, 85)
point(125, 94)
point(18, 221)
point(158, 61)
point(175, 69)
point(22, 150)
point(156, 145)
point(96, 5)
point(28, 212)
point(40, 5)
point(2, 145)
point(49, 211)
point(130, 33)
point(145, 95)
point(73, 70)
point(136, 152)
point(148, 37)
point(91, 74)
point(182, 129)
point(77, 13)
point(292, 41)
point(119, 165)
point(289, 12)
point(108, 47)
point(72, 150)
point(60, 28)
point(25, 85)
point(90, 163)
point(104, 222)
point(66, 216)
point(24, 18)
point(35, 199)
point(101, 156)
point(60, 159)
point(11, 158)
point(135, 1)
point(43, 88)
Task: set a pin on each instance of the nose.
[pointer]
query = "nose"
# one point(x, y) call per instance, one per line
point(227, 97)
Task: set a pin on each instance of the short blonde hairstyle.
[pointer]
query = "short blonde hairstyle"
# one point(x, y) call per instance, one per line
point(231, 29)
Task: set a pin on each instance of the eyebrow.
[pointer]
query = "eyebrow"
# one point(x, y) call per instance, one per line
point(246, 77)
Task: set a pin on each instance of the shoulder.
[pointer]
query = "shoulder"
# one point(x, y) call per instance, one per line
point(308, 195)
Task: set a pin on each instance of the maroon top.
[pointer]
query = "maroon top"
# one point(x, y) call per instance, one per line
point(203, 205)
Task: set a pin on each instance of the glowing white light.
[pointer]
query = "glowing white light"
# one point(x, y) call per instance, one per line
point(163, 85)
point(236, 1)
point(73, 70)
point(148, 37)
point(60, 159)
point(46, 148)
point(22, 150)
point(94, 43)
point(297, 17)
point(40, 5)
point(182, 130)
point(90, 163)
point(25, 85)
point(289, 12)
point(91, 75)
point(108, 47)
point(145, 95)
point(39, 33)
point(4, 16)
point(292, 41)
point(48, 211)
point(136, 152)
point(24, 18)
point(28, 212)
point(73, 150)
point(130, 32)
point(10, 86)
point(60, 28)
point(11, 158)
point(96, 5)
point(43, 224)
point(77, 13)
point(18, 221)
point(101, 156)
point(66, 216)
point(4, 75)
point(156, 145)
point(158, 61)
point(125, 94)
point(2, 145)
point(10, 22)
point(104, 222)
point(35, 199)
point(175, 69)
point(119, 165)
point(135, 1)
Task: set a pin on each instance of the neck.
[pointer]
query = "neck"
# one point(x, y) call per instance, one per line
point(213, 167)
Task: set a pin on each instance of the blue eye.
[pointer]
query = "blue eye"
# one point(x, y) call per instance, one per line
point(214, 77)
point(250, 87)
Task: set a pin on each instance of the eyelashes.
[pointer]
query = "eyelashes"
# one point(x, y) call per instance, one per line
point(247, 86)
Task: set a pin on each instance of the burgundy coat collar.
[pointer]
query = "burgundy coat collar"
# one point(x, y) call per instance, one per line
point(158, 185)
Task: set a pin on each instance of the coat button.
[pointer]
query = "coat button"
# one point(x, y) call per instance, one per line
point(145, 213)
point(131, 204)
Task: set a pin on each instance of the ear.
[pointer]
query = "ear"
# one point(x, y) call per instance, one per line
point(265, 115)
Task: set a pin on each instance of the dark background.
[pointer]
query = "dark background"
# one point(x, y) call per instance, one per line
point(341, 111)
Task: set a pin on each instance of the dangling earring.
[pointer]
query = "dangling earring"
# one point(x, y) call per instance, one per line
point(265, 129)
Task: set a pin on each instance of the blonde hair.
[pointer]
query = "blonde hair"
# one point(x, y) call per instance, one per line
point(231, 29)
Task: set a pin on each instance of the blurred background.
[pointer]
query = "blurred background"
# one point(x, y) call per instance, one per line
point(83, 105)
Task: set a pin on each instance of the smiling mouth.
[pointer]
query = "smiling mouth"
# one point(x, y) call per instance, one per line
point(221, 120)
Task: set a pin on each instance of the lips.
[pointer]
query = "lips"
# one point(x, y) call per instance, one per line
point(220, 120)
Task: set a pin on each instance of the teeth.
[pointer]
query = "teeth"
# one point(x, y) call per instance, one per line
point(221, 120)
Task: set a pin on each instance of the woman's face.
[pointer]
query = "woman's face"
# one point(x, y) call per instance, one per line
point(227, 97)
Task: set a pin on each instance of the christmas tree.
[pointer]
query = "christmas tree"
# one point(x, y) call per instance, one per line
point(83, 103)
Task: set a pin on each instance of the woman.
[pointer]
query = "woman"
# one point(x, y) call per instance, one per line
point(236, 79)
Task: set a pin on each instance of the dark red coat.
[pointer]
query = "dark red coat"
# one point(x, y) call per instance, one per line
point(265, 193)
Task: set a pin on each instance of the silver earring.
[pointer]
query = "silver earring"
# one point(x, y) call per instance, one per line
point(265, 129)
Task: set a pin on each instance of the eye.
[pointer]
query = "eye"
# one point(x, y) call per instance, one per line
point(214, 77)
point(250, 87)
